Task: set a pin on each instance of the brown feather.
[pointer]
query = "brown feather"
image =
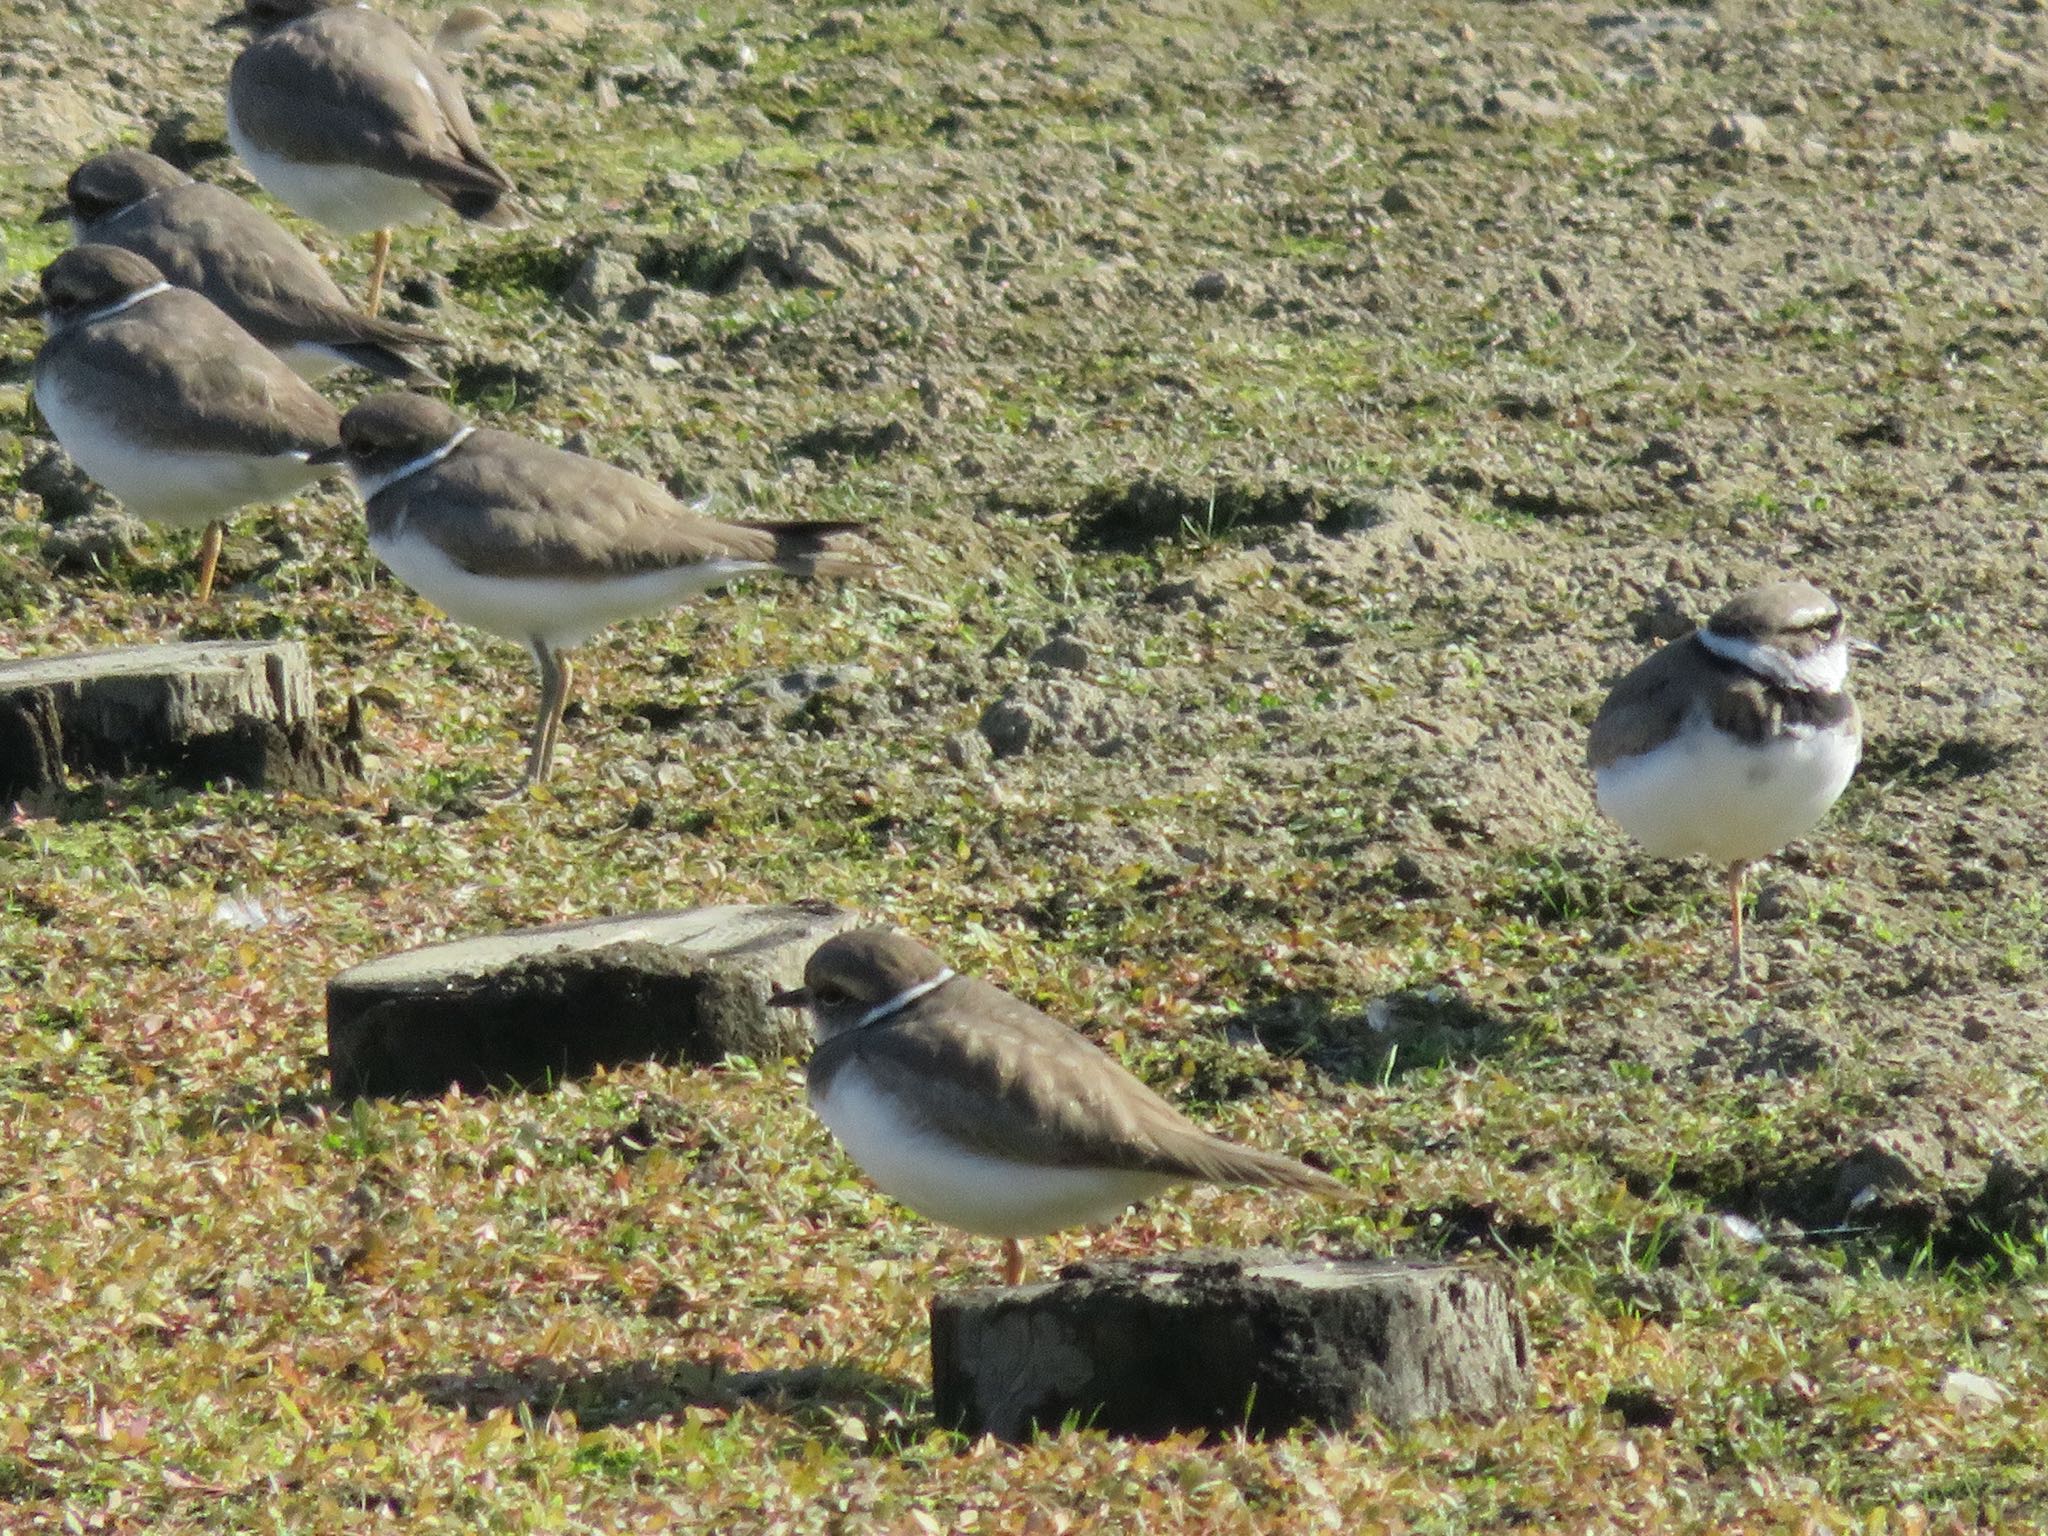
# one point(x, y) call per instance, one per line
point(205, 238)
point(505, 506)
point(1652, 703)
point(992, 1074)
point(342, 86)
point(210, 386)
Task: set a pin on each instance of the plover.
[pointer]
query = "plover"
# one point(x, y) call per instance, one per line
point(978, 1111)
point(166, 402)
point(1736, 738)
point(207, 239)
point(346, 118)
point(544, 546)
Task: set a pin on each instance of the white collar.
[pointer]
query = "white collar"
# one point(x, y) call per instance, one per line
point(889, 1007)
point(1824, 672)
point(130, 302)
point(369, 485)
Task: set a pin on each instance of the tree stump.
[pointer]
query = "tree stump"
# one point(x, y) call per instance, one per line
point(1260, 1341)
point(199, 712)
point(533, 1007)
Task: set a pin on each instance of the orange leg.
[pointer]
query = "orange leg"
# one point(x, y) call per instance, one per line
point(1735, 874)
point(1013, 1261)
point(380, 253)
point(209, 557)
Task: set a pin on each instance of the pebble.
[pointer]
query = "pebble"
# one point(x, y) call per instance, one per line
point(1742, 131)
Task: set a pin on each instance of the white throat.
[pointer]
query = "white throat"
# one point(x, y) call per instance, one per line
point(118, 305)
point(889, 1007)
point(369, 485)
point(1826, 671)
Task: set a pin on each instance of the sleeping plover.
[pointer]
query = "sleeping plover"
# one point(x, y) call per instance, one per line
point(976, 1110)
point(207, 239)
point(348, 119)
point(166, 402)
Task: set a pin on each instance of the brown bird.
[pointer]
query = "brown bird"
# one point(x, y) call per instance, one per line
point(166, 402)
point(1736, 738)
point(543, 546)
point(253, 269)
point(977, 1110)
point(345, 117)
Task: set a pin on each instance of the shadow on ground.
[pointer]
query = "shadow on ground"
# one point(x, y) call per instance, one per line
point(639, 1390)
point(1391, 1035)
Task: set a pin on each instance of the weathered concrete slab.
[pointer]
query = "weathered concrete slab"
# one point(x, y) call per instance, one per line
point(200, 712)
point(1262, 1341)
point(535, 1006)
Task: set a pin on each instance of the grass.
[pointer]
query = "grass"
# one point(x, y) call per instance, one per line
point(662, 1298)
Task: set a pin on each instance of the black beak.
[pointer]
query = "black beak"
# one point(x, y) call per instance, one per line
point(333, 455)
point(795, 997)
point(1865, 650)
point(54, 213)
point(235, 18)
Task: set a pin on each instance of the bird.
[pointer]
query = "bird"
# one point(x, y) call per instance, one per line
point(165, 401)
point(207, 239)
point(544, 546)
point(982, 1113)
point(1736, 738)
point(346, 118)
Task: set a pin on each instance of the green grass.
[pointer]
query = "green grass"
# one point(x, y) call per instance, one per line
point(662, 1298)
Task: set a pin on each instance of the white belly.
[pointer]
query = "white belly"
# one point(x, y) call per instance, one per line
point(563, 611)
point(346, 198)
point(1705, 793)
point(965, 1189)
point(184, 490)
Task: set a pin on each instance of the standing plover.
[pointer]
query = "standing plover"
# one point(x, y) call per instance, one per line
point(348, 119)
point(1735, 739)
point(976, 1110)
point(207, 239)
point(166, 402)
point(542, 546)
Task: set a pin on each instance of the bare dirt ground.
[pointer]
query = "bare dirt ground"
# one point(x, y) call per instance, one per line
point(1283, 423)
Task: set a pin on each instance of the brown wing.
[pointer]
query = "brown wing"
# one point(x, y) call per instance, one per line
point(207, 239)
point(990, 1072)
point(1649, 706)
point(232, 394)
point(351, 86)
point(517, 508)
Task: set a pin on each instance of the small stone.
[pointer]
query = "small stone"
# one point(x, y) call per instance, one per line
point(1995, 700)
point(604, 279)
point(1958, 144)
point(65, 490)
point(1740, 131)
point(97, 541)
point(968, 751)
point(1063, 653)
point(839, 24)
point(1971, 1394)
point(1512, 105)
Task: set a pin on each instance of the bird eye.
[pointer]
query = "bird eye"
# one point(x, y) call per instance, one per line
point(829, 995)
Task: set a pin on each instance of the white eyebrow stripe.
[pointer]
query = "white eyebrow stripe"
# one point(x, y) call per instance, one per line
point(902, 1000)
